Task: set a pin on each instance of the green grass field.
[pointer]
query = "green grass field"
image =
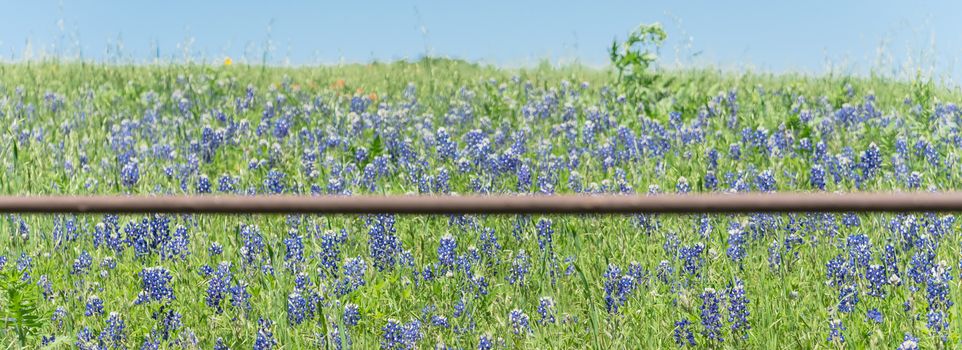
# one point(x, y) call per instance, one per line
point(442, 126)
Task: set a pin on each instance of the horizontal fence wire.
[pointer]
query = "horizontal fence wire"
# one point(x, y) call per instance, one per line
point(491, 204)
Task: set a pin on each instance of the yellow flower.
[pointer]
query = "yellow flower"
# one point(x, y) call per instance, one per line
point(228, 61)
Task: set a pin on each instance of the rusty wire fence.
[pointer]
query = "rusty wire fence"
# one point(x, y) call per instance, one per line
point(492, 204)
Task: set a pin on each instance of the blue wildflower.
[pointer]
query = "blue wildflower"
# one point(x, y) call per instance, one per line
point(683, 334)
point(848, 298)
point(398, 336)
point(545, 234)
point(94, 306)
point(130, 173)
point(738, 308)
point(274, 182)
point(835, 331)
point(546, 310)
point(353, 276)
point(710, 315)
point(351, 315)
point(297, 308)
point(115, 334)
point(519, 269)
point(265, 336)
point(519, 322)
point(447, 251)
point(155, 282)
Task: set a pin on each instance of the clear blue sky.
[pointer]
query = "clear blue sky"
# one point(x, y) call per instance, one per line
point(777, 36)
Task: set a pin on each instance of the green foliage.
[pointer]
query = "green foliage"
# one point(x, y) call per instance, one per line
point(19, 305)
point(633, 58)
point(922, 93)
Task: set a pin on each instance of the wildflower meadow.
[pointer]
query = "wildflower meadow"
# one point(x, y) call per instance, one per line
point(448, 127)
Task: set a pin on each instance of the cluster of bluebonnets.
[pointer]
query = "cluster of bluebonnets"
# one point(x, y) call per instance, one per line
point(474, 281)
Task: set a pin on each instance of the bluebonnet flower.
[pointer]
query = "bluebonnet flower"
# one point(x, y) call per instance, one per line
point(130, 173)
point(398, 336)
point(297, 308)
point(330, 253)
point(108, 233)
point(848, 298)
point(479, 285)
point(738, 308)
point(265, 336)
point(736, 244)
point(226, 183)
point(735, 151)
point(712, 156)
point(353, 277)
point(914, 181)
point(524, 178)
point(859, 250)
point(710, 181)
point(874, 315)
point(294, 250)
point(154, 281)
point(252, 244)
point(94, 306)
point(485, 343)
point(774, 256)
point(710, 315)
point(519, 322)
point(203, 184)
point(691, 256)
point(875, 275)
point(219, 344)
point(45, 340)
point(489, 245)
point(150, 343)
point(519, 269)
point(219, 286)
point(618, 287)
point(170, 322)
point(839, 271)
point(115, 334)
point(835, 331)
point(383, 245)
point(440, 321)
point(921, 265)
point(545, 234)
point(274, 182)
point(671, 244)
point(682, 185)
point(909, 342)
point(46, 287)
point(25, 265)
point(937, 294)
point(239, 296)
point(766, 181)
point(683, 334)
point(177, 245)
point(546, 310)
point(215, 249)
point(59, 316)
point(664, 271)
point(816, 177)
point(447, 251)
point(871, 161)
point(351, 315)
point(82, 263)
